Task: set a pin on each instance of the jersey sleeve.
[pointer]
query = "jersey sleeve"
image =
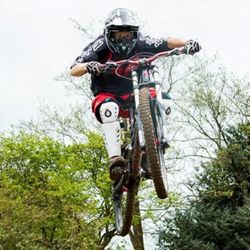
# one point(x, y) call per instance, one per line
point(153, 45)
point(90, 52)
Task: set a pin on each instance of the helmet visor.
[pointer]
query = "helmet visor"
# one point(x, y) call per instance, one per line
point(119, 36)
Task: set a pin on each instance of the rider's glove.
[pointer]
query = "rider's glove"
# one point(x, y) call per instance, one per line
point(192, 47)
point(94, 68)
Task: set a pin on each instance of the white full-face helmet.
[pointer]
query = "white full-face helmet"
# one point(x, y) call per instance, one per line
point(121, 19)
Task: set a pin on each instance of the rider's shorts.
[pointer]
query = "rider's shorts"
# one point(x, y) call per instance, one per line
point(124, 102)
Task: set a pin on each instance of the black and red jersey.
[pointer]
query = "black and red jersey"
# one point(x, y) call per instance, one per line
point(99, 51)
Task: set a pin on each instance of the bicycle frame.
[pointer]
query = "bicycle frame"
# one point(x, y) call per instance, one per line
point(148, 133)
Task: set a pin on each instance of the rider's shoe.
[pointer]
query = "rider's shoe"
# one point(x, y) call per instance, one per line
point(147, 173)
point(116, 167)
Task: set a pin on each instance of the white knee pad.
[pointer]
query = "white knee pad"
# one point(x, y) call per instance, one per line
point(109, 112)
point(168, 104)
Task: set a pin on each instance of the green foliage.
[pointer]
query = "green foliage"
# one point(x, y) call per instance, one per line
point(53, 196)
point(228, 174)
point(219, 216)
point(207, 227)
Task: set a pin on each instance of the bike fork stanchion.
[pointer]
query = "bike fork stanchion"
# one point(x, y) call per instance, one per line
point(159, 99)
point(136, 96)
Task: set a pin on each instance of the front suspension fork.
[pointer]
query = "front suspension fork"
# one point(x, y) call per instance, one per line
point(136, 96)
point(158, 89)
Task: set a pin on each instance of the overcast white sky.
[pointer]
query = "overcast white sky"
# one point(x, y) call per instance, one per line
point(38, 42)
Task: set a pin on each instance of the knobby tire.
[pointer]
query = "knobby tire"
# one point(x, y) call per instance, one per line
point(154, 154)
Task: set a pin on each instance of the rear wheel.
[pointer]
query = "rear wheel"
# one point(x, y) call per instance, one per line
point(124, 207)
point(124, 202)
point(151, 129)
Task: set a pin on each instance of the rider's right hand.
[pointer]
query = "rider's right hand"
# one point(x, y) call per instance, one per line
point(94, 68)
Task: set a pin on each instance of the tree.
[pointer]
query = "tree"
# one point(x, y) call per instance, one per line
point(54, 196)
point(218, 216)
point(209, 102)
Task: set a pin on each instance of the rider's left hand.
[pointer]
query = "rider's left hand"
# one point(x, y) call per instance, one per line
point(192, 47)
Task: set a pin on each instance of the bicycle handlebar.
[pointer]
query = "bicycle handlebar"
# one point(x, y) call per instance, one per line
point(108, 66)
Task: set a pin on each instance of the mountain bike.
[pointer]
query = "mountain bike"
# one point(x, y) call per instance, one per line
point(144, 134)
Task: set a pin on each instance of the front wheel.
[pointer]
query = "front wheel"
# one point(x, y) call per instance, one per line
point(150, 124)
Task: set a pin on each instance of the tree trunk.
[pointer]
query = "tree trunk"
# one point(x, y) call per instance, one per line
point(136, 234)
point(105, 239)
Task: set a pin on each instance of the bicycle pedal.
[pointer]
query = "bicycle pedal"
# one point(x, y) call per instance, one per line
point(146, 175)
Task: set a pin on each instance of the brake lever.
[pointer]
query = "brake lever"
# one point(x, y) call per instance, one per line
point(110, 64)
point(109, 67)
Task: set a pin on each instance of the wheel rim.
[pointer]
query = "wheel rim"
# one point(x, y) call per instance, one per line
point(163, 168)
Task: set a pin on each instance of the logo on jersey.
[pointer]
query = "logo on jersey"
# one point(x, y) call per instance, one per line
point(97, 44)
point(94, 47)
point(152, 41)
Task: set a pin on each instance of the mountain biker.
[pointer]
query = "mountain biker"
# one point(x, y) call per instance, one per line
point(121, 40)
